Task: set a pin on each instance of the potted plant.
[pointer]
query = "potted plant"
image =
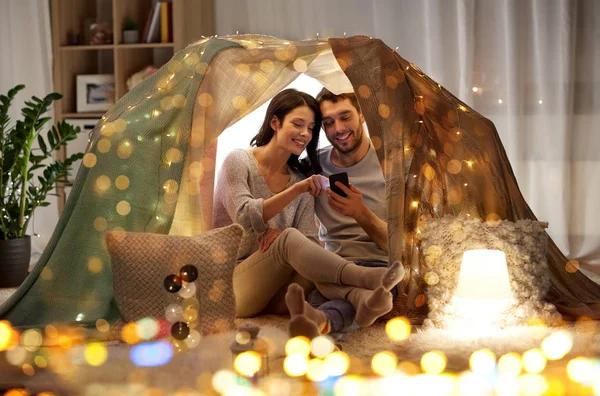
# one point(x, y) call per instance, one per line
point(21, 192)
point(130, 32)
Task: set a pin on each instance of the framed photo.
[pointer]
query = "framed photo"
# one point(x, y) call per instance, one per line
point(95, 92)
point(79, 145)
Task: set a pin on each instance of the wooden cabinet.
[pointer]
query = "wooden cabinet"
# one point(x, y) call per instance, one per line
point(73, 55)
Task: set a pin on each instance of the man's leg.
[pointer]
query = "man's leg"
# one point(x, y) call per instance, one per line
point(340, 313)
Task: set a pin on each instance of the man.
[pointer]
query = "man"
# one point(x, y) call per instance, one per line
point(352, 226)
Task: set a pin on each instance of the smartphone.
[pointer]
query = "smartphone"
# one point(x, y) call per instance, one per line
point(339, 177)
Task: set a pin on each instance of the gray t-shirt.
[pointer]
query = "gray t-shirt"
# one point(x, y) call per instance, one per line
point(239, 196)
point(342, 234)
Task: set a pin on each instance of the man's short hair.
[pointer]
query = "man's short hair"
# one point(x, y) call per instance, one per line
point(326, 94)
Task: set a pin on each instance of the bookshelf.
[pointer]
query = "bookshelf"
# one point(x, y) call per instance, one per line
point(73, 55)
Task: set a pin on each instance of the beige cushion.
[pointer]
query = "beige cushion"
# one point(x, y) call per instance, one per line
point(141, 261)
point(443, 242)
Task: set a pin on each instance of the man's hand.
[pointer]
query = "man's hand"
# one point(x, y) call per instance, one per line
point(268, 238)
point(352, 205)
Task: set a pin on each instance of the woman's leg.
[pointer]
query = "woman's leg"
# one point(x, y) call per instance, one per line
point(277, 304)
point(293, 249)
point(256, 280)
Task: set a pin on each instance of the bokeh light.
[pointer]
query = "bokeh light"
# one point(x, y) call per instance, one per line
point(482, 361)
point(510, 363)
point(398, 329)
point(151, 354)
point(336, 364)
point(534, 361)
point(247, 363)
point(433, 362)
point(295, 365)
point(384, 363)
point(96, 354)
point(321, 346)
point(557, 345)
point(297, 346)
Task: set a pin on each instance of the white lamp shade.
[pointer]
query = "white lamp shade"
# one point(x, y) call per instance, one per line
point(483, 275)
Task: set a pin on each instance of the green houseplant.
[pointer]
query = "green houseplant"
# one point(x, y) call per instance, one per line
point(21, 191)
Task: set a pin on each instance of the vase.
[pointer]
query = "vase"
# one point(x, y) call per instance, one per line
point(15, 255)
point(130, 36)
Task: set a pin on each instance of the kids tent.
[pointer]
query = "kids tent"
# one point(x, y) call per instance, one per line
point(150, 164)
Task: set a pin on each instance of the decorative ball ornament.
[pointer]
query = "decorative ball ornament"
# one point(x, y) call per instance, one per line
point(193, 339)
point(173, 283)
point(180, 331)
point(173, 313)
point(183, 316)
point(188, 290)
point(189, 273)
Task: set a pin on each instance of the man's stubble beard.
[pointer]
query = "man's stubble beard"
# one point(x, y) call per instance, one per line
point(358, 134)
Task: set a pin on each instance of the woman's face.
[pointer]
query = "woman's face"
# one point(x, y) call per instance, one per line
point(295, 132)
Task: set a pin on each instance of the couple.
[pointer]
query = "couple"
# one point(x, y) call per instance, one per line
point(275, 195)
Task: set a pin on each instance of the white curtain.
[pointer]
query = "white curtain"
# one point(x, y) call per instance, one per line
point(26, 58)
point(531, 66)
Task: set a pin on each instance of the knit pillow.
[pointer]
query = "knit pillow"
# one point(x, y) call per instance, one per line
point(141, 261)
point(443, 242)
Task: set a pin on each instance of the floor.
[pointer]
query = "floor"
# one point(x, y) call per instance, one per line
point(68, 372)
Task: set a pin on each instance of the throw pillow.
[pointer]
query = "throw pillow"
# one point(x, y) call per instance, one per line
point(141, 261)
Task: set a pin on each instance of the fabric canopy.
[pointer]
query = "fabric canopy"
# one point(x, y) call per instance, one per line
point(149, 166)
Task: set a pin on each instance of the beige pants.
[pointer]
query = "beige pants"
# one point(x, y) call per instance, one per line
point(291, 258)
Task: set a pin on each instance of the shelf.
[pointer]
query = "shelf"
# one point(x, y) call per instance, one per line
point(86, 47)
point(82, 115)
point(146, 45)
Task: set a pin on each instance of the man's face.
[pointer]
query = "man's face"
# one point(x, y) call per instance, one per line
point(343, 125)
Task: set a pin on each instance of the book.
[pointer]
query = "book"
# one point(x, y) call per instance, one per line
point(154, 29)
point(147, 26)
point(164, 22)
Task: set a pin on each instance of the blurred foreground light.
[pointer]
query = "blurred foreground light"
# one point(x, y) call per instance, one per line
point(151, 354)
point(316, 371)
point(295, 365)
point(297, 346)
point(5, 335)
point(321, 346)
point(483, 361)
point(534, 361)
point(433, 362)
point(532, 385)
point(557, 345)
point(507, 385)
point(349, 386)
point(336, 364)
point(247, 363)
point(580, 370)
point(384, 363)
point(222, 380)
point(510, 364)
point(398, 329)
point(96, 354)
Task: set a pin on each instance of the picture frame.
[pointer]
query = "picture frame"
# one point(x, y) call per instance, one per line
point(95, 92)
point(79, 145)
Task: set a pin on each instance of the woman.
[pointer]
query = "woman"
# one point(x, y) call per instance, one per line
point(269, 191)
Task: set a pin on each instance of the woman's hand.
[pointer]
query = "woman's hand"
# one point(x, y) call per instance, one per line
point(314, 185)
point(268, 238)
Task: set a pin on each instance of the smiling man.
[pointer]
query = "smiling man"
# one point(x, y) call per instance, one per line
point(353, 226)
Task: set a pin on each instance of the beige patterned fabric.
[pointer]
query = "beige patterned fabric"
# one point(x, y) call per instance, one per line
point(141, 261)
point(443, 242)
